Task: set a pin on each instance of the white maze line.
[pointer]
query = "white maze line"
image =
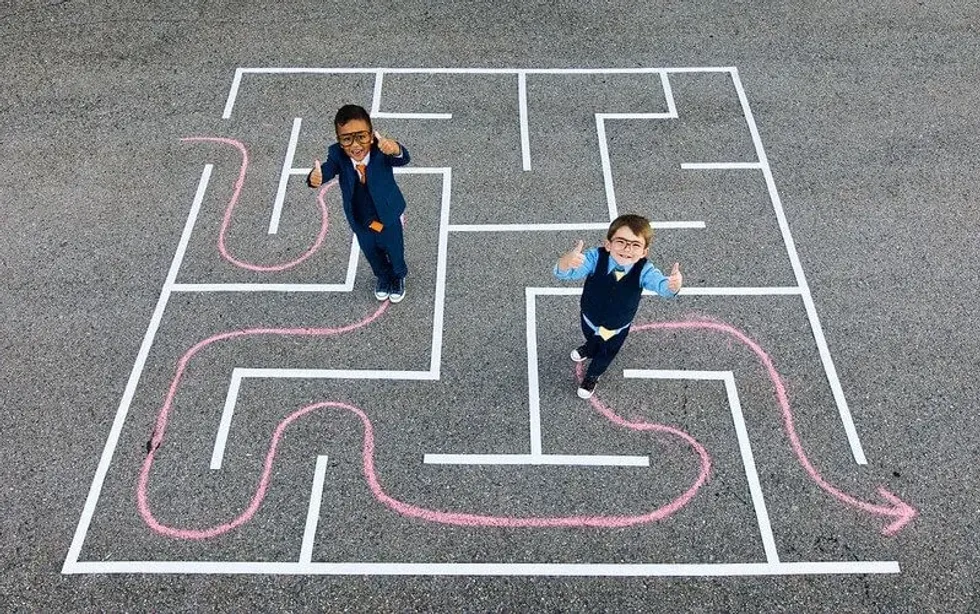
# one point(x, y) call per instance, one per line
point(249, 287)
point(600, 129)
point(537, 459)
point(522, 105)
point(391, 115)
point(748, 461)
point(533, 388)
point(268, 70)
point(381, 374)
point(811, 309)
point(224, 425)
point(668, 95)
point(313, 511)
point(698, 166)
point(663, 570)
point(379, 79)
point(284, 176)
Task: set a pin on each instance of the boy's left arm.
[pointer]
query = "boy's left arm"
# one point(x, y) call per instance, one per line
point(667, 286)
point(393, 150)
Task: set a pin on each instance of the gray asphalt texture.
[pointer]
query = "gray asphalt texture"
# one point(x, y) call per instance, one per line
point(869, 113)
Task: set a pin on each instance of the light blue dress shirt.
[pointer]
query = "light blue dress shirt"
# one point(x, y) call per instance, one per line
point(650, 277)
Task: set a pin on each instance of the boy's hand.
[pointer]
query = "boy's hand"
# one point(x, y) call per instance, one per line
point(572, 259)
point(388, 146)
point(675, 280)
point(316, 175)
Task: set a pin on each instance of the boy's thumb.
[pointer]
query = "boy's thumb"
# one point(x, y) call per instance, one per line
point(579, 246)
point(676, 269)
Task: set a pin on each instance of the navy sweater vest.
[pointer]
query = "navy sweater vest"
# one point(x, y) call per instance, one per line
point(362, 205)
point(608, 302)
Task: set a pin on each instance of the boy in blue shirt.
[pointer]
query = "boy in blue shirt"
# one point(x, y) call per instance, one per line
point(616, 275)
point(362, 160)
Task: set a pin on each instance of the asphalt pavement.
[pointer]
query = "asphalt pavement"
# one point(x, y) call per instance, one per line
point(203, 413)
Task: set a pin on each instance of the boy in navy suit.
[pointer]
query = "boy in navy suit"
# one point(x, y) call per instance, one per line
point(362, 160)
point(616, 275)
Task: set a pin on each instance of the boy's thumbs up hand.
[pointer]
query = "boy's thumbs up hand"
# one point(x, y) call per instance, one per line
point(573, 258)
point(387, 146)
point(316, 175)
point(675, 280)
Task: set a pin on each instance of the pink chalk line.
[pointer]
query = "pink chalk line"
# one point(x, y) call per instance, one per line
point(163, 417)
point(226, 221)
point(900, 512)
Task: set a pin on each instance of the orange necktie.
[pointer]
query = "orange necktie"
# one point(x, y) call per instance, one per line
point(361, 171)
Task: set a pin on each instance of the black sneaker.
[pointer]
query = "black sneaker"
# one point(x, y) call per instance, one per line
point(381, 289)
point(397, 290)
point(587, 387)
point(578, 354)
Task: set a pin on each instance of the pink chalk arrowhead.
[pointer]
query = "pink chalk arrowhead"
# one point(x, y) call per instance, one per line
point(902, 512)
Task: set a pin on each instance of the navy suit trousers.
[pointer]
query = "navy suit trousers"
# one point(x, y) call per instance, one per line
point(384, 251)
point(601, 352)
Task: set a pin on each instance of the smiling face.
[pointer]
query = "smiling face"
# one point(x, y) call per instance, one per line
point(355, 137)
point(626, 247)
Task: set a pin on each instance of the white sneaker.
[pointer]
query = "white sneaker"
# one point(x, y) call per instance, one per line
point(397, 291)
point(577, 355)
point(381, 290)
point(587, 388)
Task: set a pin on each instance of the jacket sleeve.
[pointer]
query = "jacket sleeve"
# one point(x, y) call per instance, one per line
point(329, 167)
point(401, 160)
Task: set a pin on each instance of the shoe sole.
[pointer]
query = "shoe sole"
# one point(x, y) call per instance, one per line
point(380, 297)
point(585, 394)
point(576, 357)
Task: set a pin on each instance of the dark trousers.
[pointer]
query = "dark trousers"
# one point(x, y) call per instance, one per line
point(601, 352)
point(384, 251)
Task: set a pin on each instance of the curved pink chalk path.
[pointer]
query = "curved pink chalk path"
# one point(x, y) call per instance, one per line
point(163, 417)
point(226, 220)
point(899, 512)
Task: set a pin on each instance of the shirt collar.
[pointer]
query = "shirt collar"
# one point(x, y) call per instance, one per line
point(613, 264)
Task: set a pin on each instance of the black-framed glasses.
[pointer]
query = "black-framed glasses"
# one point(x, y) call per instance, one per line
point(622, 243)
point(363, 137)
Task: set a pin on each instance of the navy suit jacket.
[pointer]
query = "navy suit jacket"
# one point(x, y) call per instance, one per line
point(387, 197)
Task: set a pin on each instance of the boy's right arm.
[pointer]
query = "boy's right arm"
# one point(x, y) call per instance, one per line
point(576, 264)
point(321, 172)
